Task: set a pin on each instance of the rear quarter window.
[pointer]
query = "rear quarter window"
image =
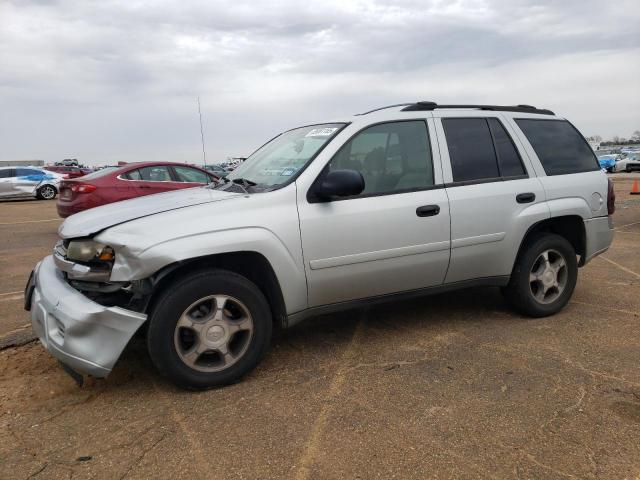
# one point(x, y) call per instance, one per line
point(559, 146)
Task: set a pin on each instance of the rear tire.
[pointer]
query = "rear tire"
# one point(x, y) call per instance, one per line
point(46, 192)
point(544, 276)
point(209, 329)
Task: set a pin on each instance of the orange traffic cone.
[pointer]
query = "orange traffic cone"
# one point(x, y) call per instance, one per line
point(635, 190)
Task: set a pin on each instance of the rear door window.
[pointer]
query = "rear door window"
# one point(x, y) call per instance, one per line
point(157, 173)
point(132, 175)
point(559, 146)
point(470, 149)
point(190, 175)
point(7, 173)
point(509, 162)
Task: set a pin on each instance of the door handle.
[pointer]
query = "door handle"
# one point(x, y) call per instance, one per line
point(428, 210)
point(525, 197)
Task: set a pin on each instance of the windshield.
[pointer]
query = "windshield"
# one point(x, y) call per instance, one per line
point(276, 162)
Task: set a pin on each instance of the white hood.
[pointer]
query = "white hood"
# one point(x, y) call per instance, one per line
point(94, 220)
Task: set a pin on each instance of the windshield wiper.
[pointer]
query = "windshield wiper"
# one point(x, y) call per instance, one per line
point(244, 182)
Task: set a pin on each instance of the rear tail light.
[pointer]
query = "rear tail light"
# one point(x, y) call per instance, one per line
point(611, 198)
point(83, 188)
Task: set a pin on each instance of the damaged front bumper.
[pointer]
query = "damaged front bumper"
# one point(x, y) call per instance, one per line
point(82, 334)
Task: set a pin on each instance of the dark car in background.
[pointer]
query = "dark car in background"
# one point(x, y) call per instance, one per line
point(113, 184)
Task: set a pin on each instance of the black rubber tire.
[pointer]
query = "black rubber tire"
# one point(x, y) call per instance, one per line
point(628, 169)
point(182, 293)
point(518, 291)
point(41, 197)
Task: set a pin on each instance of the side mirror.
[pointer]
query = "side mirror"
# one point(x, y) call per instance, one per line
point(340, 183)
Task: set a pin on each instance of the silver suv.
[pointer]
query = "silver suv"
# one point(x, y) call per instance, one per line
point(406, 200)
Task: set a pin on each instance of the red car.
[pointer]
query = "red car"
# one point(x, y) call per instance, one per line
point(66, 172)
point(113, 184)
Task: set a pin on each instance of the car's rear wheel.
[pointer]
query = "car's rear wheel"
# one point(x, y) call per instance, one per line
point(628, 169)
point(46, 192)
point(209, 329)
point(544, 276)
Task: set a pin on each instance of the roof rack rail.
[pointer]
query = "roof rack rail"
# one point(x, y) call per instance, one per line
point(383, 108)
point(425, 106)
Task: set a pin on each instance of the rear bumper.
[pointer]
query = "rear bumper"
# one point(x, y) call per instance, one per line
point(86, 336)
point(67, 209)
point(599, 233)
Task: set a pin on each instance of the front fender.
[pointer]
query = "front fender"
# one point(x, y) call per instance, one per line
point(288, 267)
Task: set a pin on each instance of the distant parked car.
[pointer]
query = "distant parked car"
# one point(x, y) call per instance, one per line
point(66, 172)
point(217, 170)
point(608, 162)
point(68, 162)
point(113, 184)
point(628, 164)
point(16, 182)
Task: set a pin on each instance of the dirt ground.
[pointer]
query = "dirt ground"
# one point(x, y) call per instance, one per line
point(450, 386)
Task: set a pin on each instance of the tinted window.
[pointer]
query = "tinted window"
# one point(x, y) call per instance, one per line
point(186, 174)
point(509, 161)
point(157, 173)
point(559, 146)
point(391, 157)
point(470, 149)
point(7, 173)
point(27, 172)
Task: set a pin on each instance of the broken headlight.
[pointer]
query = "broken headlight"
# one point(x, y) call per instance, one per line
point(89, 251)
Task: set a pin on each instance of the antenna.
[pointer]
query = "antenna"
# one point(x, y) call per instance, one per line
point(204, 154)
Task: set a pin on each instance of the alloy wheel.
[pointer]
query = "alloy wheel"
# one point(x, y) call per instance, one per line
point(213, 333)
point(548, 276)
point(47, 192)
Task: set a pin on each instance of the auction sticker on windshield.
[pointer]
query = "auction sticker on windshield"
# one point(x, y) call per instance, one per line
point(321, 132)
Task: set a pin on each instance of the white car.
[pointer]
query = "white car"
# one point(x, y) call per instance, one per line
point(628, 164)
point(401, 201)
point(19, 182)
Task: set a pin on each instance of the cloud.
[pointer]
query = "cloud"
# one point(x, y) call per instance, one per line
point(112, 80)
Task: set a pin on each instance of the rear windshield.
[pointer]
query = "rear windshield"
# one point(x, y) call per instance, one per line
point(101, 173)
point(559, 146)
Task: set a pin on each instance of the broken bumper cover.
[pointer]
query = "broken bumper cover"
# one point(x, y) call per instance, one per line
point(86, 336)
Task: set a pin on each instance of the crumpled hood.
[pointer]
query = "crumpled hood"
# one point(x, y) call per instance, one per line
point(92, 221)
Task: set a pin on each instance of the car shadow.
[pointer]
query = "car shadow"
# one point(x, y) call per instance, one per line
point(443, 312)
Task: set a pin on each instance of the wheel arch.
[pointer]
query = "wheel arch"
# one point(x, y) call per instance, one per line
point(52, 185)
point(570, 227)
point(251, 265)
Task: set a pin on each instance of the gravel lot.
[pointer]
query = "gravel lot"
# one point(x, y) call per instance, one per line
point(450, 386)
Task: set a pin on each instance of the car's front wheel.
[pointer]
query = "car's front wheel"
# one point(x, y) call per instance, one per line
point(46, 192)
point(209, 329)
point(544, 276)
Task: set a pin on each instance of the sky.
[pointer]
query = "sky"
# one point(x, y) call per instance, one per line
point(119, 81)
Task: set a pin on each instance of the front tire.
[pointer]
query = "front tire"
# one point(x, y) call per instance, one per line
point(46, 192)
point(209, 329)
point(544, 276)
